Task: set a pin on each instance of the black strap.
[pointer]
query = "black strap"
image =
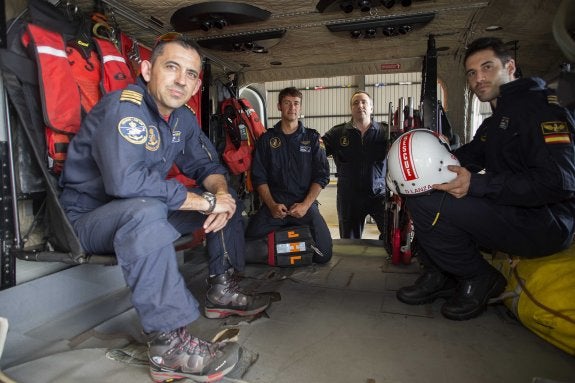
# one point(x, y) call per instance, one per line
point(23, 67)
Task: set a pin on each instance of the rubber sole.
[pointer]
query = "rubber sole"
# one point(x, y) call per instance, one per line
point(495, 290)
point(222, 312)
point(448, 293)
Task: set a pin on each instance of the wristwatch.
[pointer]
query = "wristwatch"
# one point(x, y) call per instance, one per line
point(211, 198)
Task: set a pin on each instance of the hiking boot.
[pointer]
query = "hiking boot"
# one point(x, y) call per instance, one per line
point(472, 295)
point(432, 284)
point(224, 298)
point(177, 355)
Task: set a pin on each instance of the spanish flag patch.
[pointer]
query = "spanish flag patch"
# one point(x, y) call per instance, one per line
point(555, 132)
point(131, 96)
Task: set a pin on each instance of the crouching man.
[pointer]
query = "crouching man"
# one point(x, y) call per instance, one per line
point(522, 203)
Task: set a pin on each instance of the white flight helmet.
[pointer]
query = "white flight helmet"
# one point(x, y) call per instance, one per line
point(418, 159)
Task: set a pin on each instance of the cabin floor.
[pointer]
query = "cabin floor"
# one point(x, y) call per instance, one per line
point(333, 323)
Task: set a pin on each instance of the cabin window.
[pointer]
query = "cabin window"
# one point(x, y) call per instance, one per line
point(479, 112)
point(257, 101)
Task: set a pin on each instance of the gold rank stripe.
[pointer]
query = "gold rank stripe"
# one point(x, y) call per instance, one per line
point(557, 138)
point(190, 108)
point(552, 99)
point(131, 96)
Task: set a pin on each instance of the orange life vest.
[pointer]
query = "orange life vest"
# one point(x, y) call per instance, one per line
point(70, 85)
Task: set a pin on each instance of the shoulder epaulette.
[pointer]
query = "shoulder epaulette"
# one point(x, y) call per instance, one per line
point(191, 109)
point(552, 99)
point(131, 96)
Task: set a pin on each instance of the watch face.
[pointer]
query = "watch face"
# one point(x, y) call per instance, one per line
point(211, 199)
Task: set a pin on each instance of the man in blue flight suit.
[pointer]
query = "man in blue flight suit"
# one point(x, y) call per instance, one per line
point(289, 170)
point(117, 197)
point(522, 203)
point(358, 148)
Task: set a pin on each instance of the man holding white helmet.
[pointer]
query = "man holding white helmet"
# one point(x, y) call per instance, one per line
point(523, 203)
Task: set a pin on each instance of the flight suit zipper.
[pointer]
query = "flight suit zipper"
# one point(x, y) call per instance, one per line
point(225, 249)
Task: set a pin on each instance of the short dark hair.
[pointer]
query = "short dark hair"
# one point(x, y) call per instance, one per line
point(495, 44)
point(178, 39)
point(290, 91)
point(360, 92)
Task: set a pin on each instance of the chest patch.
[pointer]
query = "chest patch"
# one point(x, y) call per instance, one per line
point(275, 142)
point(153, 142)
point(504, 123)
point(555, 132)
point(344, 141)
point(176, 135)
point(133, 130)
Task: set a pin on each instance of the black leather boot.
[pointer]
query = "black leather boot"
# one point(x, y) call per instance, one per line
point(432, 284)
point(472, 295)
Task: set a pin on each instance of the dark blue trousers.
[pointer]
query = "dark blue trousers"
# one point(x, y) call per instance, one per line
point(465, 224)
point(141, 232)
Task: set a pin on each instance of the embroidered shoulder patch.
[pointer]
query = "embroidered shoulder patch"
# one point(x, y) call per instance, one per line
point(133, 130)
point(555, 132)
point(153, 142)
point(131, 96)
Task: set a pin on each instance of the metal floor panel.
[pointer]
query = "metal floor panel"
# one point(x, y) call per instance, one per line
point(334, 323)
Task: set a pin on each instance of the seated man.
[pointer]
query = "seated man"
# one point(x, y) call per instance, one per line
point(289, 171)
point(117, 198)
point(523, 203)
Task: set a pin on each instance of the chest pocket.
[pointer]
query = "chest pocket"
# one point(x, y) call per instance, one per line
point(504, 146)
point(302, 161)
point(347, 149)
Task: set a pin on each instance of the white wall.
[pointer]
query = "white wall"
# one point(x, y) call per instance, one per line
point(325, 101)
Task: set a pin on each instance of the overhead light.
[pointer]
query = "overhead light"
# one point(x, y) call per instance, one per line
point(388, 3)
point(220, 23)
point(355, 34)
point(346, 6)
point(493, 28)
point(364, 5)
point(382, 22)
point(389, 31)
point(370, 33)
point(404, 29)
point(256, 48)
point(244, 42)
point(205, 25)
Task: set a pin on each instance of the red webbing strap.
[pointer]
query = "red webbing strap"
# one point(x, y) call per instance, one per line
point(271, 249)
point(58, 89)
point(86, 75)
